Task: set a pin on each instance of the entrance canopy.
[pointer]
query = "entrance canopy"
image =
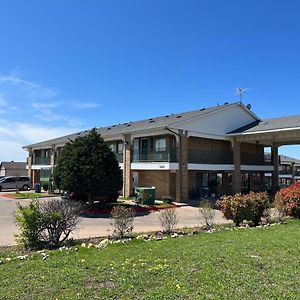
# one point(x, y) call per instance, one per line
point(279, 131)
point(270, 133)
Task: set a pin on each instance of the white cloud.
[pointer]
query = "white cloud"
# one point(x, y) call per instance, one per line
point(23, 134)
point(86, 105)
point(12, 150)
point(46, 105)
point(31, 113)
point(3, 102)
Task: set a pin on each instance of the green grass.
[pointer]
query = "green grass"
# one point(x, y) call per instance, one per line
point(22, 195)
point(257, 263)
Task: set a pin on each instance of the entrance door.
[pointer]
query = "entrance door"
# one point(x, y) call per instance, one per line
point(135, 176)
point(245, 184)
point(202, 184)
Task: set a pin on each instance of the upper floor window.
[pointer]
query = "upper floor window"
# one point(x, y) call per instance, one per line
point(120, 147)
point(112, 147)
point(160, 145)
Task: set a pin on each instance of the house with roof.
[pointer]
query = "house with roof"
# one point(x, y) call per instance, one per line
point(13, 168)
point(216, 150)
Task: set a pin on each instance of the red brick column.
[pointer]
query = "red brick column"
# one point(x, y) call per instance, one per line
point(236, 176)
point(127, 173)
point(182, 176)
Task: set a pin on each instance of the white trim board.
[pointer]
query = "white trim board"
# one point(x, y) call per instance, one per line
point(154, 166)
point(228, 167)
point(39, 167)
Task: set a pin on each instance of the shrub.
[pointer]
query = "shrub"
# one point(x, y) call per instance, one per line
point(29, 221)
point(46, 224)
point(60, 218)
point(288, 200)
point(168, 219)
point(207, 212)
point(143, 196)
point(45, 186)
point(272, 215)
point(167, 199)
point(122, 220)
point(248, 207)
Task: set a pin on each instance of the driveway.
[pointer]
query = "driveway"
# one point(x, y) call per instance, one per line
point(188, 216)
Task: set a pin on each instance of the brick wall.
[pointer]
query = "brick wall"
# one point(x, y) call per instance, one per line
point(208, 144)
point(162, 180)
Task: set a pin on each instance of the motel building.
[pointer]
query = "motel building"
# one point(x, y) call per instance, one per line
point(207, 152)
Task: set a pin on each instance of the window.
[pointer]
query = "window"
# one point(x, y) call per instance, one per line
point(160, 145)
point(220, 178)
point(10, 179)
point(112, 147)
point(120, 147)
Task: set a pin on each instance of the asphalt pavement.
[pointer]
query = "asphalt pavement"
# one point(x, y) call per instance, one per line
point(188, 216)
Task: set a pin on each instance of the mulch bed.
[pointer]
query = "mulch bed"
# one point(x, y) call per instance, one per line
point(137, 209)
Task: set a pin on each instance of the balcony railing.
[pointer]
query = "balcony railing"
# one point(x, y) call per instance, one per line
point(41, 160)
point(167, 156)
point(210, 157)
point(254, 159)
point(224, 157)
point(285, 172)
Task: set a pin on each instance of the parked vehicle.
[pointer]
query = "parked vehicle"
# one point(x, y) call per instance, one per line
point(15, 182)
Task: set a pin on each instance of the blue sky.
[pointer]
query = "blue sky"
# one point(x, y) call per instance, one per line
point(72, 65)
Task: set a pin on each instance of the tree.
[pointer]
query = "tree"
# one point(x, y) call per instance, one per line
point(88, 166)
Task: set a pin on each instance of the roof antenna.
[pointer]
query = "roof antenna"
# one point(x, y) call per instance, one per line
point(241, 91)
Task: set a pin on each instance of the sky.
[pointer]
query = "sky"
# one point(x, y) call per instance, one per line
point(73, 65)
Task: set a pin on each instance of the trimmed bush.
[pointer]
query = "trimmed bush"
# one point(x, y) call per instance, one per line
point(29, 220)
point(168, 220)
point(207, 212)
point(122, 220)
point(60, 218)
point(167, 199)
point(46, 224)
point(249, 207)
point(45, 186)
point(288, 199)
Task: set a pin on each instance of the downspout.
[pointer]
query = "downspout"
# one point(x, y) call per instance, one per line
point(180, 160)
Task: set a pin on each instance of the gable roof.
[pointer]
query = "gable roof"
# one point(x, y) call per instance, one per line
point(13, 165)
point(152, 123)
point(283, 123)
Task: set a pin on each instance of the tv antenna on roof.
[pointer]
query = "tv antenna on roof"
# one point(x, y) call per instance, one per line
point(241, 91)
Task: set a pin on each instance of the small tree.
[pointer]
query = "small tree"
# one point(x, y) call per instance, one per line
point(168, 219)
point(207, 213)
point(122, 220)
point(88, 166)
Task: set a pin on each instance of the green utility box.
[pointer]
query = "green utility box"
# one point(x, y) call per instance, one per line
point(145, 195)
point(37, 188)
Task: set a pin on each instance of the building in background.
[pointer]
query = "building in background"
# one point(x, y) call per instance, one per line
point(206, 152)
point(289, 171)
point(13, 168)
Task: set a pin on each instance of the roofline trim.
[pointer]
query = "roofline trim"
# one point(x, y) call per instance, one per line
point(264, 131)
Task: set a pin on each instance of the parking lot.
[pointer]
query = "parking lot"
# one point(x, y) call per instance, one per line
point(188, 216)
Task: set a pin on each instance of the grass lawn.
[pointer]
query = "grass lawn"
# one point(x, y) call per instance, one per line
point(22, 195)
point(257, 263)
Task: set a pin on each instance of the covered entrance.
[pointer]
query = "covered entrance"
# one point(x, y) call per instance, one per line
point(272, 133)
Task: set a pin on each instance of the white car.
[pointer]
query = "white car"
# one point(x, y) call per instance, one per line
point(15, 182)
